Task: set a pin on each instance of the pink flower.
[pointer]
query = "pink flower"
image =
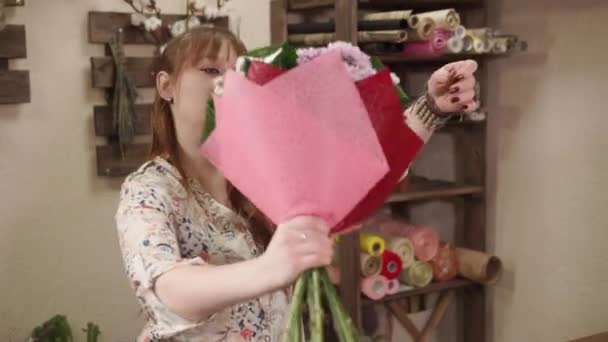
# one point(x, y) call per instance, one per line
point(246, 334)
point(357, 62)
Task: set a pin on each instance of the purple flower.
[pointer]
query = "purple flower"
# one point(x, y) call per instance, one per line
point(356, 61)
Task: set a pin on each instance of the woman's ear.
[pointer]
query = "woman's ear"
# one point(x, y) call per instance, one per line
point(164, 86)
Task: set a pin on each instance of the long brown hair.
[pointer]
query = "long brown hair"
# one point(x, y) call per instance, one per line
point(181, 52)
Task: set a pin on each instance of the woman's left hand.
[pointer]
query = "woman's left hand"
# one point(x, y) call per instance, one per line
point(452, 87)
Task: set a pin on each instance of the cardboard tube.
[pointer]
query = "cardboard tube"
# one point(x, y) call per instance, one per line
point(371, 244)
point(447, 19)
point(370, 265)
point(478, 266)
point(393, 15)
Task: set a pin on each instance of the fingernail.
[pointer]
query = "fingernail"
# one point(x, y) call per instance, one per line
point(455, 99)
point(454, 90)
point(459, 77)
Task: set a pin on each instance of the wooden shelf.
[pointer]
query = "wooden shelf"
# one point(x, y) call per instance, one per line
point(15, 2)
point(426, 189)
point(399, 4)
point(447, 58)
point(457, 283)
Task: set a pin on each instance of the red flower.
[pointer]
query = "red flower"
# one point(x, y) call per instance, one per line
point(246, 334)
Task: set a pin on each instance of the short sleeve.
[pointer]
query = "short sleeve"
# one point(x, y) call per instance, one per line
point(148, 241)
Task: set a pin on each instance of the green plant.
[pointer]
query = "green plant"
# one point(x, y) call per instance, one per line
point(57, 329)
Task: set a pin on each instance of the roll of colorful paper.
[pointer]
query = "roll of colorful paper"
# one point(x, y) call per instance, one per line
point(425, 240)
point(478, 266)
point(460, 32)
point(445, 263)
point(391, 265)
point(478, 45)
point(389, 36)
point(436, 45)
point(370, 265)
point(374, 287)
point(392, 286)
point(447, 19)
point(455, 45)
point(371, 244)
point(419, 274)
point(404, 248)
point(421, 28)
point(467, 44)
point(392, 15)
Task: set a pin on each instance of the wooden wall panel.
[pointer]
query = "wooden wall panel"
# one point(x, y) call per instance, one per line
point(14, 86)
point(12, 42)
point(141, 69)
point(103, 116)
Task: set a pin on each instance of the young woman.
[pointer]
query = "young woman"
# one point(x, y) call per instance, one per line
point(200, 258)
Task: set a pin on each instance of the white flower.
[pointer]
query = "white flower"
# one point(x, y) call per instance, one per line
point(198, 5)
point(137, 19)
point(178, 28)
point(395, 78)
point(152, 23)
point(212, 12)
point(193, 22)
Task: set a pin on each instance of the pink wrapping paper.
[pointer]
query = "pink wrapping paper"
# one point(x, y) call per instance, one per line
point(296, 144)
point(374, 287)
point(425, 239)
point(392, 286)
point(433, 47)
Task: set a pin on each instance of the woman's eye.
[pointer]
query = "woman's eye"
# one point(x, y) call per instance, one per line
point(211, 71)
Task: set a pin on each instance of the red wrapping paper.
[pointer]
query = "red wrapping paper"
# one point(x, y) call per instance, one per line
point(391, 265)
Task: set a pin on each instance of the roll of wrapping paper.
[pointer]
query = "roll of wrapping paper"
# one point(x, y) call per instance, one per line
point(467, 44)
point(504, 44)
point(460, 32)
point(479, 45)
point(478, 266)
point(317, 39)
point(370, 265)
point(455, 45)
point(447, 19)
point(421, 28)
point(371, 244)
point(404, 248)
point(391, 265)
point(419, 274)
point(374, 287)
point(392, 286)
point(425, 240)
point(445, 263)
point(393, 15)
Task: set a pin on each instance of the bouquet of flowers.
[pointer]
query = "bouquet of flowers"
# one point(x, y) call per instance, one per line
point(315, 131)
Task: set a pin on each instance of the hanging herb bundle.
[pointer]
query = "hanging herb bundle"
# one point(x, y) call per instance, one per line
point(124, 95)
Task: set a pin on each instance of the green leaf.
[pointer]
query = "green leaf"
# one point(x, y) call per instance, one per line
point(263, 51)
point(377, 63)
point(209, 120)
point(287, 58)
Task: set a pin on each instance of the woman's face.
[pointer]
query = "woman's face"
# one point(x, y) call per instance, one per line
point(192, 89)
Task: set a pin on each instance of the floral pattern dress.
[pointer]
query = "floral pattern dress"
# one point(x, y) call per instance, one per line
point(160, 227)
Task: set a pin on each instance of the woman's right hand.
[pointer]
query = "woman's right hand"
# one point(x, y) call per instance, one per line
point(296, 246)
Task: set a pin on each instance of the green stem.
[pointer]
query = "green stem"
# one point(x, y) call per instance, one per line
point(294, 328)
point(314, 306)
point(343, 324)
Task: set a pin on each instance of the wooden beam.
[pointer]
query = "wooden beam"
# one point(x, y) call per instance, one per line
point(14, 86)
point(306, 4)
point(103, 25)
point(12, 42)
point(103, 117)
point(111, 163)
point(15, 2)
point(278, 21)
point(346, 20)
point(3, 64)
point(141, 69)
point(420, 188)
point(350, 270)
point(401, 314)
point(443, 303)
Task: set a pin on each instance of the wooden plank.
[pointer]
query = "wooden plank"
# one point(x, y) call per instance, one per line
point(350, 269)
point(141, 69)
point(103, 25)
point(425, 189)
point(12, 42)
point(14, 86)
point(346, 20)
point(3, 64)
point(278, 21)
point(387, 5)
point(307, 4)
point(457, 283)
point(400, 314)
point(15, 2)
point(111, 163)
point(103, 116)
point(444, 301)
point(394, 58)
point(602, 337)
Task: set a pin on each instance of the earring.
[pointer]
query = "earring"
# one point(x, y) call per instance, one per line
point(170, 100)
